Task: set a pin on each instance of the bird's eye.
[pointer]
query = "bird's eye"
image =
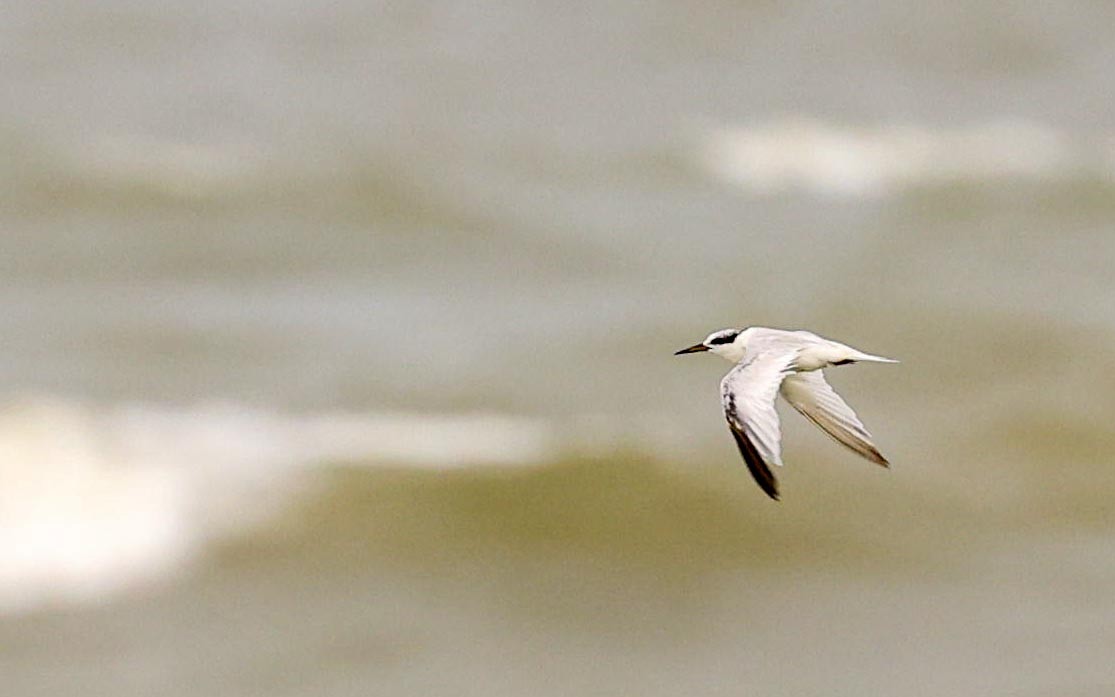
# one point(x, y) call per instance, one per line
point(723, 339)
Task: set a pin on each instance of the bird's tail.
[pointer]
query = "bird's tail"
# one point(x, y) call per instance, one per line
point(860, 356)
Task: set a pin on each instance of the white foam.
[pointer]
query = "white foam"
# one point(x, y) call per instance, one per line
point(810, 154)
point(178, 169)
point(97, 500)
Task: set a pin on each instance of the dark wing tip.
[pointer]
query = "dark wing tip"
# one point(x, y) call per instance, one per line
point(759, 470)
point(878, 459)
point(860, 446)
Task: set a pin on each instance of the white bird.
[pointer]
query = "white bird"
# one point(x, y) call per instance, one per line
point(773, 361)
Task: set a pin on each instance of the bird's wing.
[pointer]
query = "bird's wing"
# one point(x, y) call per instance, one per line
point(748, 392)
point(818, 402)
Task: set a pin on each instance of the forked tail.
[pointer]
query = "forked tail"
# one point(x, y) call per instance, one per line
point(860, 356)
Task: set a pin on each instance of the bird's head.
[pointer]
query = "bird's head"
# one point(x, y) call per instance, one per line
point(729, 344)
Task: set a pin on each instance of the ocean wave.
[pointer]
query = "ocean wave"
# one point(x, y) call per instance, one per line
point(97, 500)
point(816, 156)
point(788, 154)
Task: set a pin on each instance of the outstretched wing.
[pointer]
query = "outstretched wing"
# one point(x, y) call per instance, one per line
point(748, 392)
point(811, 395)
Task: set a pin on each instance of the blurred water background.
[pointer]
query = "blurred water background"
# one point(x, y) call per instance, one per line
point(337, 347)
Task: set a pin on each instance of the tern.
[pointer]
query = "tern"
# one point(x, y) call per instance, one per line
point(773, 361)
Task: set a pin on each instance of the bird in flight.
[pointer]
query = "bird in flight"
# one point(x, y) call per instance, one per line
point(777, 361)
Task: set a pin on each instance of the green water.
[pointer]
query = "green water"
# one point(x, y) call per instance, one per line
point(605, 576)
point(445, 208)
